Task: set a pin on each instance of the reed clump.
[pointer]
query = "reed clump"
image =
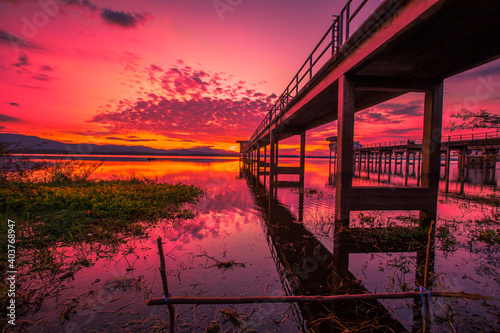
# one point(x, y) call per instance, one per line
point(63, 203)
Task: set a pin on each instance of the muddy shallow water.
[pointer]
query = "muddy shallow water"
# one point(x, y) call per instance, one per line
point(282, 246)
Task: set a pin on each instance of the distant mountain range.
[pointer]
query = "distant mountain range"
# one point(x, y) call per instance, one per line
point(36, 145)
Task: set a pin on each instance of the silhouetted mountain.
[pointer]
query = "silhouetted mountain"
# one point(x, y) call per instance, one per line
point(34, 144)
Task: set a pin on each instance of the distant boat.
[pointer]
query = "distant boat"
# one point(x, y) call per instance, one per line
point(151, 159)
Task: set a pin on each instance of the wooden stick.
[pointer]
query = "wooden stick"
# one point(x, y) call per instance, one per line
point(164, 281)
point(428, 254)
point(293, 299)
point(426, 316)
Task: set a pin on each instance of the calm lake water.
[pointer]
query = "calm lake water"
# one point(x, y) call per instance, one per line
point(282, 246)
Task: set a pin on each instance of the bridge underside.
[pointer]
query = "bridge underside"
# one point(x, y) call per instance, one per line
point(420, 50)
point(405, 46)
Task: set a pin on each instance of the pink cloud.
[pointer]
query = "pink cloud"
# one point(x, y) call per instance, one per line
point(188, 102)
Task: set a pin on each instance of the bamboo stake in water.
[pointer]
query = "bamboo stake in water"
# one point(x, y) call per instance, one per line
point(294, 299)
point(426, 318)
point(164, 281)
point(428, 254)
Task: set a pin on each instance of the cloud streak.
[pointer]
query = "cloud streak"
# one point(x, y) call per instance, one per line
point(122, 19)
point(8, 119)
point(41, 77)
point(391, 112)
point(15, 41)
point(22, 61)
point(129, 140)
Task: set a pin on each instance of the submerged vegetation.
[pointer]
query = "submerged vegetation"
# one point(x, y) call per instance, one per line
point(492, 199)
point(63, 204)
point(90, 210)
point(65, 219)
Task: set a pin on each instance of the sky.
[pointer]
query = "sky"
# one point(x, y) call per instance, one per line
point(182, 73)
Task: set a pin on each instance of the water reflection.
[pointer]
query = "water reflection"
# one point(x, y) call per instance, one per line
point(468, 178)
point(287, 241)
point(307, 267)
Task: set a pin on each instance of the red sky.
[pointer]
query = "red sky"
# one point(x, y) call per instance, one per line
point(180, 74)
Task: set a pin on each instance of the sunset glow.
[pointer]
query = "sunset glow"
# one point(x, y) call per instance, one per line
point(181, 74)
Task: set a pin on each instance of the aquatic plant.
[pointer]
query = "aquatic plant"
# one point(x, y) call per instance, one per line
point(223, 264)
point(64, 219)
point(447, 240)
point(486, 230)
point(231, 316)
point(105, 211)
point(488, 199)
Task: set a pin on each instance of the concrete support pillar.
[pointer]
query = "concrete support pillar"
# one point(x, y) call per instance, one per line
point(330, 163)
point(485, 167)
point(258, 160)
point(413, 163)
point(252, 160)
point(390, 166)
point(431, 149)
point(276, 156)
point(418, 167)
point(407, 171)
point(461, 170)
point(379, 165)
point(359, 198)
point(359, 164)
point(301, 204)
point(447, 170)
point(345, 141)
point(266, 168)
point(302, 157)
point(272, 159)
point(368, 164)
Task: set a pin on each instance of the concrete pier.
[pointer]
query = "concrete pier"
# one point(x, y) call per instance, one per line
point(402, 46)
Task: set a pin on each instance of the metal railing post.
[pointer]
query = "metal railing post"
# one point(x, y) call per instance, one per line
point(341, 28)
point(348, 9)
point(310, 66)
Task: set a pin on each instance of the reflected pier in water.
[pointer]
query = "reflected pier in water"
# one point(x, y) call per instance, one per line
point(307, 267)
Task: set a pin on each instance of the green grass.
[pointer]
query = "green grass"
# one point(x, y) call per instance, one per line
point(57, 205)
point(104, 210)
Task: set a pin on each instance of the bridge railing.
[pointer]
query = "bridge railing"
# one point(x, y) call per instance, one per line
point(473, 136)
point(332, 40)
point(393, 144)
point(305, 71)
point(444, 139)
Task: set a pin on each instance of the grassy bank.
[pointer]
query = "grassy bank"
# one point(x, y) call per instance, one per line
point(60, 204)
point(65, 219)
point(104, 211)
